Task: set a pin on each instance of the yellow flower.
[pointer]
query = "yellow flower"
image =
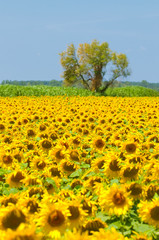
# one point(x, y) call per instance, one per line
point(22, 232)
point(14, 179)
point(98, 144)
point(115, 200)
point(149, 212)
point(111, 234)
point(12, 216)
point(140, 236)
point(46, 144)
point(53, 217)
point(93, 225)
point(75, 234)
point(130, 147)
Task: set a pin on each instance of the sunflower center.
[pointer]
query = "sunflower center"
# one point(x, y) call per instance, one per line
point(17, 177)
point(46, 144)
point(30, 133)
point(33, 206)
point(41, 164)
point(130, 148)
point(7, 159)
point(76, 141)
point(13, 219)
point(114, 165)
point(59, 155)
point(118, 199)
point(93, 225)
point(69, 167)
point(74, 212)
point(2, 127)
point(74, 156)
point(130, 172)
point(56, 218)
point(155, 213)
point(9, 200)
point(99, 143)
point(135, 189)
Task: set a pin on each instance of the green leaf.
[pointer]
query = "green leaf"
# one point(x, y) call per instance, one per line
point(77, 173)
point(102, 216)
point(142, 227)
point(38, 139)
point(85, 165)
point(50, 181)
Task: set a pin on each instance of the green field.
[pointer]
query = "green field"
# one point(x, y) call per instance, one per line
point(132, 91)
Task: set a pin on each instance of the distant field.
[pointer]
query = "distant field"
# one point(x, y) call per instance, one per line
point(132, 91)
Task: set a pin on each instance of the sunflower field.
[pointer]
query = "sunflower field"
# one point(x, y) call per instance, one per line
point(79, 168)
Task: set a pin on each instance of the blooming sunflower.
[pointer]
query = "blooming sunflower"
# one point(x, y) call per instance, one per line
point(12, 216)
point(77, 214)
point(112, 166)
point(93, 225)
point(58, 153)
point(99, 143)
point(115, 200)
point(111, 234)
point(140, 236)
point(130, 147)
point(149, 212)
point(14, 179)
point(46, 144)
point(22, 232)
point(53, 217)
point(76, 234)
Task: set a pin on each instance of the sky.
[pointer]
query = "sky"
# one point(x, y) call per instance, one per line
point(34, 32)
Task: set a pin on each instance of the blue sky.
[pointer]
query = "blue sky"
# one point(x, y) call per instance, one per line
point(34, 32)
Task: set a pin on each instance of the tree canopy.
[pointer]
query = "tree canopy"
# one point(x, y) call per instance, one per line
point(90, 63)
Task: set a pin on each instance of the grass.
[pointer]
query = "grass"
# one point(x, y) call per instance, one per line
point(132, 91)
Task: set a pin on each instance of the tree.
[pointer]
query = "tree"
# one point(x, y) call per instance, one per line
point(91, 63)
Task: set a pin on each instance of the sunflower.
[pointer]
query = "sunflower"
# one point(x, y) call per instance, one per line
point(115, 200)
point(93, 225)
point(14, 179)
point(149, 212)
point(74, 155)
point(140, 236)
point(7, 158)
point(111, 234)
point(29, 203)
point(58, 153)
point(53, 217)
point(98, 163)
point(130, 147)
point(39, 163)
point(98, 144)
point(76, 234)
point(112, 166)
point(135, 190)
point(22, 232)
point(12, 216)
point(11, 199)
point(77, 214)
point(46, 144)
point(130, 171)
point(92, 182)
point(67, 167)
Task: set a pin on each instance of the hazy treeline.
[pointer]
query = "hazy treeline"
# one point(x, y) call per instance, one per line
point(33, 82)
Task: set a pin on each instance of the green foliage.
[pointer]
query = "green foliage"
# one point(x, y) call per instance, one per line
point(13, 91)
point(132, 91)
point(88, 65)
